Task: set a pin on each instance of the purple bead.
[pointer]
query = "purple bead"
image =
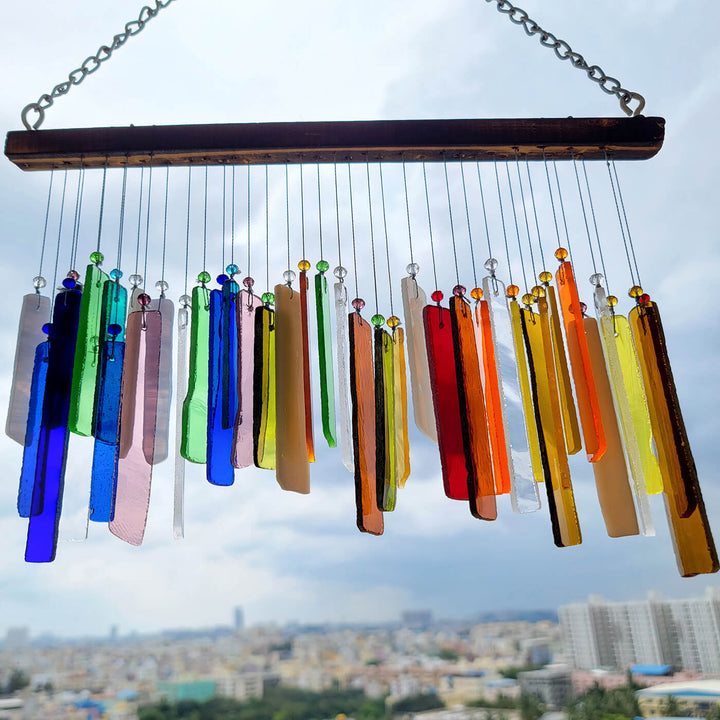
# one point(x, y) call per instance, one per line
point(248, 282)
point(74, 274)
point(144, 299)
point(358, 304)
point(583, 308)
point(459, 291)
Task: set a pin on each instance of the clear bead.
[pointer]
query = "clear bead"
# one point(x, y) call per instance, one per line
point(340, 272)
point(596, 279)
point(39, 282)
point(491, 265)
point(161, 286)
point(412, 269)
point(185, 300)
point(135, 280)
point(288, 276)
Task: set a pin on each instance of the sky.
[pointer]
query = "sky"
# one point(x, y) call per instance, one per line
point(287, 557)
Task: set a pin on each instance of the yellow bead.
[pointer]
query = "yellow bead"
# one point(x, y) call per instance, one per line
point(476, 294)
point(545, 276)
point(304, 265)
point(538, 291)
point(561, 254)
point(512, 291)
point(635, 291)
point(528, 299)
point(393, 321)
point(612, 301)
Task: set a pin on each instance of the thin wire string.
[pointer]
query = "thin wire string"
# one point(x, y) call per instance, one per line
point(139, 220)
point(467, 219)
point(224, 213)
point(527, 224)
point(337, 218)
point(352, 227)
point(78, 215)
point(594, 219)
point(287, 216)
point(502, 220)
point(452, 224)
point(102, 205)
point(205, 221)
point(164, 244)
point(57, 251)
point(147, 223)
point(302, 212)
point(537, 224)
point(627, 225)
point(121, 225)
point(620, 222)
point(552, 199)
point(267, 231)
point(372, 237)
point(584, 213)
point(482, 200)
point(187, 230)
point(562, 211)
point(432, 243)
point(407, 213)
point(45, 227)
point(248, 224)
point(387, 240)
point(517, 227)
point(232, 219)
point(320, 227)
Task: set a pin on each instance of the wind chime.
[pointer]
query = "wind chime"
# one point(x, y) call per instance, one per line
point(507, 383)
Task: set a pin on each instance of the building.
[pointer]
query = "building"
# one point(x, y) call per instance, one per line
point(417, 619)
point(698, 697)
point(239, 619)
point(681, 633)
point(553, 684)
point(17, 637)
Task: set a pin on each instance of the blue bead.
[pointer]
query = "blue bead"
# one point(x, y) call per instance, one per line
point(46, 328)
point(221, 279)
point(115, 274)
point(68, 283)
point(232, 269)
point(114, 329)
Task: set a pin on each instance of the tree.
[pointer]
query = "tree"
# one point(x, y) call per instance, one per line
point(418, 703)
point(17, 681)
point(671, 706)
point(531, 706)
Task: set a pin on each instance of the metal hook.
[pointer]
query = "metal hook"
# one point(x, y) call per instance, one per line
point(40, 116)
point(629, 97)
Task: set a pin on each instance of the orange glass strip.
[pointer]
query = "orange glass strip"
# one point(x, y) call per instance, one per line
point(306, 367)
point(362, 391)
point(493, 402)
point(587, 400)
point(611, 472)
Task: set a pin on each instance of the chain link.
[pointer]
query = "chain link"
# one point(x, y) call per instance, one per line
point(90, 65)
point(563, 51)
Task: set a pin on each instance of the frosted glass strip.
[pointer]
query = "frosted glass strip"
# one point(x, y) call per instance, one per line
point(343, 375)
point(162, 429)
point(183, 320)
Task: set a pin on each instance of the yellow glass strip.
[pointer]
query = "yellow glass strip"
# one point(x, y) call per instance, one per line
point(265, 436)
point(402, 444)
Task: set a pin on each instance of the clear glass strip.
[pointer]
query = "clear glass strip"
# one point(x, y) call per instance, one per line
point(183, 320)
point(343, 375)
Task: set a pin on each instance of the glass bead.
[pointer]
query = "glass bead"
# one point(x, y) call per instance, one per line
point(635, 291)
point(561, 254)
point(248, 282)
point(393, 321)
point(644, 298)
point(512, 291)
point(304, 265)
point(96, 257)
point(39, 282)
point(538, 291)
point(545, 276)
point(476, 293)
point(114, 329)
point(268, 298)
point(204, 277)
point(358, 304)
point(323, 266)
point(377, 320)
point(340, 272)
point(135, 280)
point(288, 276)
point(528, 299)
point(232, 269)
point(596, 279)
point(161, 286)
point(491, 265)
point(115, 274)
point(46, 328)
point(459, 291)
point(68, 283)
point(612, 301)
point(74, 274)
point(185, 300)
point(221, 278)
point(144, 299)
point(412, 269)
point(583, 308)
point(437, 296)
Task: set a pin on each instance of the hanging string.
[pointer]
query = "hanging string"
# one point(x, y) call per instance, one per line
point(164, 246)
point(452, 224)
point(224, 207)
point(139, 220)
point(517, 227)
point(232, 220)
point(620, 222)
point(47, 215)
point(627, 225)
point(187, 230)
point(502, 220)
point(322, 257)
point(287, 216)
point(387, 241)
point(407, 213)
point(467, 219)
point(552, 199)
point(527, 224)
point(302, 212)
point(147, 223)
point(352, 227)
point(482, 200)
point(337, 216)
point(248, 225)
point(267, 231)
point(537, 224)
point(372, 237)
point(584, 214)
point(205, 221)
point(78, 214)
point(594, 219)
point(121, 225)
point(57, 251)
point(432, 244)
point(562, 210)
point(102, 205)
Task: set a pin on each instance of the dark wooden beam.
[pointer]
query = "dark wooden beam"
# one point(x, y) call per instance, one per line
point(635, 138)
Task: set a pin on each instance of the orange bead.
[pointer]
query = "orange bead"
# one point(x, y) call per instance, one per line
point(512, 291)
point(304, 265)
point(635, 291)
point(393, 321)
point(476, 293)
point(561, 254)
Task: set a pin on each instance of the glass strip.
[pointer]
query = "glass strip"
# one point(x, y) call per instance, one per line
point(343, 375)
point(402, 444)
point(183, 320)
point(264, 389)
point(327, 380)
point(307, 390)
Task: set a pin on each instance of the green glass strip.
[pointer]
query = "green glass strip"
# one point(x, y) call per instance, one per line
point(389, 385)
point(114, 310)
point(87, 353)
point(327, 378)
point(195, 410)
point(264, 389)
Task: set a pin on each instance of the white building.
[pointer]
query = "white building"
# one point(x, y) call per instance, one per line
point(682, 633)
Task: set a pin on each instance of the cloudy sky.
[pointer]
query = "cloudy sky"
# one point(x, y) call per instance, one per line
point(283, 556)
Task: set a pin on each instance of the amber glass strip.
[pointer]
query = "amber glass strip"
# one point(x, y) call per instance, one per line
point(587, 400)
point(402, 445)
point(306, 367)
point(362, 391)
point(264, 389)
point(390, 480)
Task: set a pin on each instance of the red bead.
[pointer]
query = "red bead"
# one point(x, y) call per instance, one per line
point(644, 298)
point(437, 296)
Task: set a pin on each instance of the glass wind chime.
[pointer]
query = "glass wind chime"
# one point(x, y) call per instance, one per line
point(507, 384)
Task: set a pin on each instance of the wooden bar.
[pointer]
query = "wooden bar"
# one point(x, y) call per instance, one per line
point(635, 138)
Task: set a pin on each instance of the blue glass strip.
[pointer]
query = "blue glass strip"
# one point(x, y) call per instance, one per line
point(54, 434)
point(32, 433)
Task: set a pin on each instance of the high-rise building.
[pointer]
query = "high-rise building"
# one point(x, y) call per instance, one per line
point(681, 633)
point(417, 619)
point(17, 637)
point(239, 619)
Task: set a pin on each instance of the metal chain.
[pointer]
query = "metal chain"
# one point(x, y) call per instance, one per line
point(563, 51)
point(90, 65)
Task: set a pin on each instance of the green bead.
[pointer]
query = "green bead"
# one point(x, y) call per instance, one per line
point(323, 266)
point(377, 320)
point(204, 277)
point(268, 297)
point(96, 257)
